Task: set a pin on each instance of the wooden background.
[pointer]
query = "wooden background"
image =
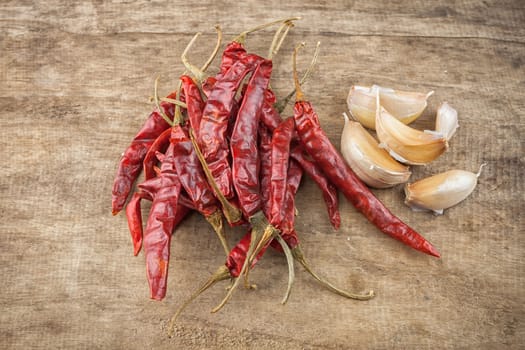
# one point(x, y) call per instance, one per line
point(75, 77)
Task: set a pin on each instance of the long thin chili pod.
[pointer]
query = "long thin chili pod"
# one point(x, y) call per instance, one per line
point(130, 164)
point(328, 190)
point(318, 146)
point(243, 142)
point(286, 226)
point(160, 226)
point(281, 139)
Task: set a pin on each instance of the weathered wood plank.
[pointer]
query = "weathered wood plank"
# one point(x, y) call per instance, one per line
point(74, 85)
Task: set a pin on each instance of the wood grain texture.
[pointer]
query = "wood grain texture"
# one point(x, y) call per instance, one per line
point(74, 85)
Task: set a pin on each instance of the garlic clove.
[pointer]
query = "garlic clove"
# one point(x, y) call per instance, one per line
point(446, 120)
point(405, 106)
point(406, 144)
point(441, 191)
point(372, 165)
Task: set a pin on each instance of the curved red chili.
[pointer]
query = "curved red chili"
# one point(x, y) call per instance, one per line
point(318, 146)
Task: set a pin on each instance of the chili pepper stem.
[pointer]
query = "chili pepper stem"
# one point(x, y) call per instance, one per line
point(281, 105)
point(245, 267)
point(299, 256)
point(231, 213)
point(299, 95)
point(196, 72)
point(200, 73)
point(278, 39)
point(289, 259)
point(215, 221)
point(242, 37)
point(157, 103)
point(174, 102)
point(259, 224)
point(215, 51)
point(221, 274)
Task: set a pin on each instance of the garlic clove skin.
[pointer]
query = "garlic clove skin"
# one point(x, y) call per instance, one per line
point(441, 191)
point(405, 144)
point(446, 120)
point(404, 105)
point(372, 165)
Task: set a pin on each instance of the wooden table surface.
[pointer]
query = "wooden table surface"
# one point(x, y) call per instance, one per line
point(75, 78)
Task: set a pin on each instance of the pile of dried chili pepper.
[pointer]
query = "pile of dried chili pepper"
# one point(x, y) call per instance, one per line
point(217, 145)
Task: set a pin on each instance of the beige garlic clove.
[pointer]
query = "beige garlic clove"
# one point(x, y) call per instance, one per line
point(373, 165)
point(441, 191)
point(405, 106)
point(406, 144)
point(446, 120)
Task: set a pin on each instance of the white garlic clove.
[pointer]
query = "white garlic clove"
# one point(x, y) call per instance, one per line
point(405, 106)
point(446, 120)
point(372, 165)
point(441, 191)
point(406, 144)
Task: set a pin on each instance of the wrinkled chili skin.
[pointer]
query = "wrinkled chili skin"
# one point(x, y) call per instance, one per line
point(318, 146)
point(130, 164)
point(243, 142)
point(269, 115)
point(281, 139)
point(160, 226)
point(212, 134)
point(265, 173)
point(190, 173)
point(233, 52)
point(327, 188)
point(159, 145)
point(194, 102)
point(288, 233)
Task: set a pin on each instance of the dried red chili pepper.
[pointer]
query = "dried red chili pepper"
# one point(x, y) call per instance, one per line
point(281, 139)
point(327, 188)
point(318, 146)
point(294, 176)
point(130, 163)
point(160, 226)
point(243, 142)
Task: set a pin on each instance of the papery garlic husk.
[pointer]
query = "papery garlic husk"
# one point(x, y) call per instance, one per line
point(441, 191)
point(405, 106)
point(406, 144)
point(446, 120)
point(373, 165)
